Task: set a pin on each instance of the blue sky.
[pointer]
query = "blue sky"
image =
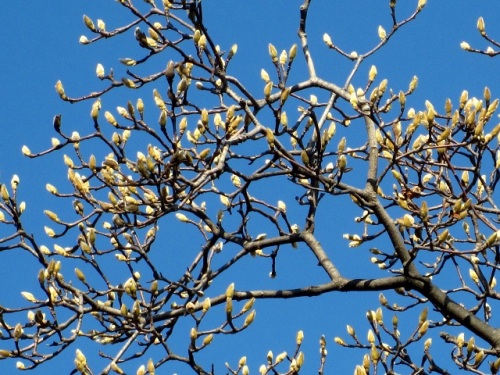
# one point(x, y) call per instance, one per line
point(40, 46)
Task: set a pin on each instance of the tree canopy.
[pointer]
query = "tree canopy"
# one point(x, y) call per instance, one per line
point(195, 178)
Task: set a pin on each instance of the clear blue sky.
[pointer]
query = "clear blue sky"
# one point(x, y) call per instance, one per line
point(40, 45)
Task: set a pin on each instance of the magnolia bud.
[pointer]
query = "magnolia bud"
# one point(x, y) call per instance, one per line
point(327, 40)
point(381, 33)
point(465, 46)
point(480, 25)
point(273, 52)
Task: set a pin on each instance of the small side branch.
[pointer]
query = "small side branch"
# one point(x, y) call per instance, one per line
point(304, 8)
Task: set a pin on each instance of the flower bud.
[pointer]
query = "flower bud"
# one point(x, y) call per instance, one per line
point(423, 328)
point(327, 40)
point(381, 33)
point(273, 52)
point(249, 319)
point(300, 337)
point(480, 26)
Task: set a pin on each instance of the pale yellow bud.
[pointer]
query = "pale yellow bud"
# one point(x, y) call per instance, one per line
point(374, 354)
point(267, 89)
point(427, 343)
point(359, 370)
point(248, 305)
point(202, 42)
point(473, 275)
point(381, 33)
point(492, 239)
point(479, 357)
point(283, 57)
point(242, 362)
point(60, 90)
point(141, 370)
point(80, 275)
point(465, 46)
point(264, 75)
point(83, 40)
point(282, 206)
point(18, 331)
point(443, 236)
point(99, 71)
point(230, 291)
point(280, 357)
point(370, 336)
point(413, 84)
point(206, 304)
point(351, 331)
point(293, 52)
point(273, 52)
point(373, 73)
point(208, 339)
point(421, 4)
point(300, 337)
point(28, 296)
point(423, 328)
point(327, 40)
point(480, 26)
point(250, 318)
point(26, 151)
point(471, 344)
point(183, 218)
point(49, 231)
point(80, 357)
